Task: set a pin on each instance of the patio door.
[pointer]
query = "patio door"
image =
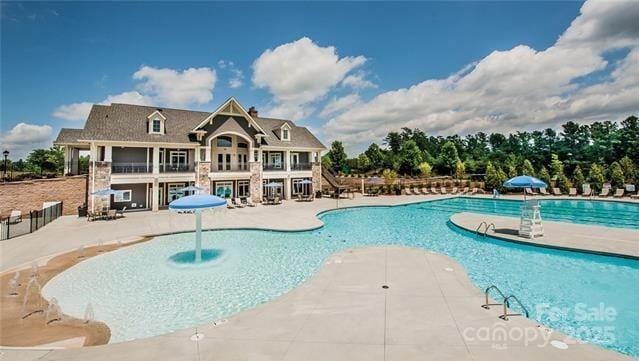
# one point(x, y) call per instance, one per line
point(224, 161)
point(276, 160)
point(177, 159)
point(224, 189)
point(295, 160)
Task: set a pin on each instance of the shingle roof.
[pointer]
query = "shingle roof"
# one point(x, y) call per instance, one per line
point(68, 135)
point(128, 123)
point(300, 137)
point(124, 122)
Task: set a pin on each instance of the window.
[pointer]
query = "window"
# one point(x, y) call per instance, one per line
point(299, 188)
point(122, 196)
point(223, 141)
point(285, 135)
point(175, 191)
point(242, 145)
point(276, 160)
point(224, 189)
point(156, 126)
point(243, 189)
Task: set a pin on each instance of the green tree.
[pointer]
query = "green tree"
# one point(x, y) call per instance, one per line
point(448, 157)
point(596, 176)
point(425, 169)
point(337, 156)
point(363, 163)
point(409, 157)
point(628, 168)
point(578, 177)
point(556, 166)
point(389, 176)
point(375, 156)
point(394, 141)
point(564, 183)
point(616, 175)
point(460, 170)
point(42, 161)
point(527, 168)
point(493, 176)
point(545, 176)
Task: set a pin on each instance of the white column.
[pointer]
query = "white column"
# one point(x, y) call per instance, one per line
point(156, 160)
point(155, 192)
point(207, 155)
point(108, 153)
point(288, 160)
point(67, 160)
point(287, 187)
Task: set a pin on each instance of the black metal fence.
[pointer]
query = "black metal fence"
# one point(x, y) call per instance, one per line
point(14, 226)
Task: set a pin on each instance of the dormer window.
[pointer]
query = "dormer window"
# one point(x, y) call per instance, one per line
point(156, 122)
point(285, 132)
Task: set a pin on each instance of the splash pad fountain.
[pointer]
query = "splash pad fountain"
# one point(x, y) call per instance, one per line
point(196, 204)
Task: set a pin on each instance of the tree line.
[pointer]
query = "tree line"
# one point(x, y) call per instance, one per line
point(40, 163)
point(594, 153)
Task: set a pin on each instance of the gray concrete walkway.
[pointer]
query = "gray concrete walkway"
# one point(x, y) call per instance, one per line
point(609, 240)
point(430, 311)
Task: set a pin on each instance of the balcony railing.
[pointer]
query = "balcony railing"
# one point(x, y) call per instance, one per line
point(176, 168)
point(274, 166)
point(230, 167)
point(131, 168)
point(301, 166)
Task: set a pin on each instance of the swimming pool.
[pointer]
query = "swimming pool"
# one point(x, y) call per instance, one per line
point(138, 292)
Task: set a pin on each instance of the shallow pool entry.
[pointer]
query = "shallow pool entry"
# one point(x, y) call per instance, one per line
point(245, 268)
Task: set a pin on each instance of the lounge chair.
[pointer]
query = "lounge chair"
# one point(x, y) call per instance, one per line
point(425, 191)
point(417, 192)
point(473, 192)
point(15, 217)
point(238, 203)
point(454, 191)
point(111, 214)
point(407, 191)
point(464, 191)
point(587, 192)
point(529, 191)
point(120, 212)
point(557, 192)
point(604, 192)
point(229, 204)
point(619, 193)
point(572, 192)
point(443, 190)
point(248, 202)
point(635, 196)
point(433, 190)
point(543, 191)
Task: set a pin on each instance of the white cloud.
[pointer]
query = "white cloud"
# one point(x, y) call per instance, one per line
point(163, 87)
point(23, 137)
point(237, 80)
point(515, 89)
point(176, 88)
point(336, 105)
point(75, 111)
point(300, 72)
point(358, 81)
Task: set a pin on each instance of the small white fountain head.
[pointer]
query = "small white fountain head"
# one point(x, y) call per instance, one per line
point(13, 287)
point(53, 312)
point(119, 243)
point(35, 271)
point(32, 291)
point(89, 315)
point(81, 252)
point(100, 246)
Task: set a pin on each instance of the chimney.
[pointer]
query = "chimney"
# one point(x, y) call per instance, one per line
point(252, 112)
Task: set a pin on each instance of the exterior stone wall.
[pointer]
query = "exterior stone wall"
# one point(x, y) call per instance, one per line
point(316, 171)
point(202, 177)
point(102, 180)
point(26, 196)
point(256, 181)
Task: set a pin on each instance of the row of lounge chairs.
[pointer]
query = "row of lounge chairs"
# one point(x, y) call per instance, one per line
point(106, 214)
point(588, 192)
point(232, 203)
point(441, 190)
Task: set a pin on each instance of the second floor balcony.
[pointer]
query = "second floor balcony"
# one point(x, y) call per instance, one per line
point(141, 168)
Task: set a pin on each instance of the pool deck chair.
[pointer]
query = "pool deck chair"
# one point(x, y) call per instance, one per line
point(229, 204)
point(248, 202)
point(425, 191)
point(433, 190)
point(454, 191)
point(407, 191)
point(543, 191)
point(238, 203)
point(529, 191)
point(572, 192)
point(587, 192)
point(15, 217)
point(557, 192)
point(619, 193)
point(464, 191)
point(443, 190)
point(604, 192)
point(416, 191)
point(474, 191)
point(635, 196)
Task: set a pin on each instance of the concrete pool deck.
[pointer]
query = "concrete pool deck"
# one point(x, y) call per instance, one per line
point(430, 311)
point(596, 239)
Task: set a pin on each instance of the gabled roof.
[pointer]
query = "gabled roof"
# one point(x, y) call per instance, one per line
point(230, 125)
point(68, 136)
point(233, 108)
point(300, 137)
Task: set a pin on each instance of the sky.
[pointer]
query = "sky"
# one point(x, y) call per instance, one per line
point(348, 71)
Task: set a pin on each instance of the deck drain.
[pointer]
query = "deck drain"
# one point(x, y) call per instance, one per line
point(448, 269)
point(197, 336)
point(558, 344)
point(385, 287)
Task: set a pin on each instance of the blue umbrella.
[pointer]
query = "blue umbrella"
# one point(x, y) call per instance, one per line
point(272, 185)
point(525, 181)
point(197, 203)
point(104, 192)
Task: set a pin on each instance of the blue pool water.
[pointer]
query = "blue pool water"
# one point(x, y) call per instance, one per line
point(139, 292)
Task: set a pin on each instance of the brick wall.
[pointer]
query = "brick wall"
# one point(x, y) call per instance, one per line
point(29, 195)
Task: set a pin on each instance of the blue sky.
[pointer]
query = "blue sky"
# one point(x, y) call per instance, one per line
point(64, 53)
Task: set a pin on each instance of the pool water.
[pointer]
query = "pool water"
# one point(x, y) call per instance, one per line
point(139, 292)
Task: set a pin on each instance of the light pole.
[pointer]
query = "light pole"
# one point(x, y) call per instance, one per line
point(6, 155)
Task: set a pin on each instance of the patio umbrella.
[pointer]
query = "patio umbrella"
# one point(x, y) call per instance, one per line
point(273, 185)
point(524, 181)
point(306, 182)
point(197, 203)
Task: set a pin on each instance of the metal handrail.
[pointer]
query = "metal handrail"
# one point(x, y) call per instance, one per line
point(479, 227)
point(488, 227)
point(492, 287)
point(507, 305)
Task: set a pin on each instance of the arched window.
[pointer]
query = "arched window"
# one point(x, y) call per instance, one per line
point(223, 141)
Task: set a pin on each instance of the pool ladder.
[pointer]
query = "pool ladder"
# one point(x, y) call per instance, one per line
point(506, 303)
point(486, 228)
